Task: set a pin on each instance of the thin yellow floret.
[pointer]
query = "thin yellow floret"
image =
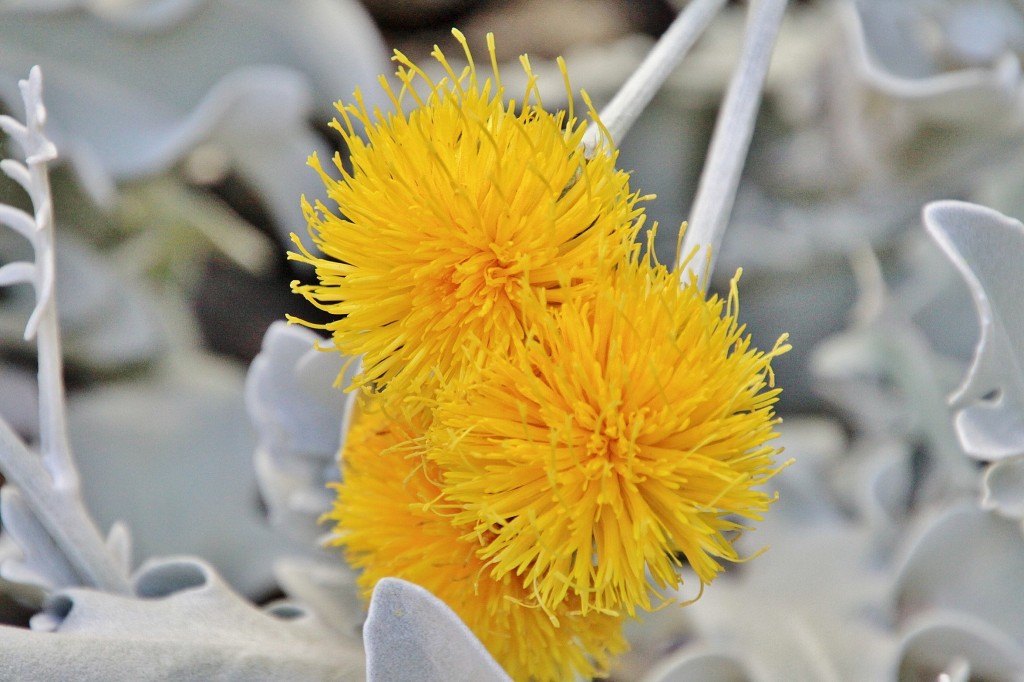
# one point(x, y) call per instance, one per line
point(630, 430)
point(445, 213)
point(392, 522)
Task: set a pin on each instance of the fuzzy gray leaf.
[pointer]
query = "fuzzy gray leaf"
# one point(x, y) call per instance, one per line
point(290, 393)
point(185, 624)
point(412, 636)
point(893, 48)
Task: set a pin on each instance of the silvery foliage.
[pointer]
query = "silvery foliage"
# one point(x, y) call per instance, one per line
point(882, 564)
point(890, 557)
point(96, 621)
point(136, 91)
point(43, 507)
point(294, 399)
point(181, 621)
point(863, 137)
point(986, 247)
point(193, 489)
point(135, 87)
point(978, 553)
point(898, 133)
point(412, 636)
point(88, 288)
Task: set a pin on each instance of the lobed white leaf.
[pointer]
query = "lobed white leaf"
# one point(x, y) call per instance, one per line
point(968, 561)
point(184, 623)
point(892, 48)
point(13, 127)
point(19, 221)
point(119, 542)
point(19, 272)
point(290, 393)
point(18, 172)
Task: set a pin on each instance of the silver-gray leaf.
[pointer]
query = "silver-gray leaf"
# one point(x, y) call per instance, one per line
point(412, 636)
point(185, 624)
point(988, 249)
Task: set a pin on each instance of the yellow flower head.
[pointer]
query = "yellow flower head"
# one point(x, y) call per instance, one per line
point(447, 212)
point(630, 429)
point(392, 522)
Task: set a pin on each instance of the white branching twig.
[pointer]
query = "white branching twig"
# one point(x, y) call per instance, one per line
point(734, 128)
point(50, 485)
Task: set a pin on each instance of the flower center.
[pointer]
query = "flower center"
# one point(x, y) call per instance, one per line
point(489, 276)
point(609, 445)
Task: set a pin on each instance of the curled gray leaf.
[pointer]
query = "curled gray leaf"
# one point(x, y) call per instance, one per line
point(964, 560)
point(943, 642)
point(1003, 488)
point(987, 249)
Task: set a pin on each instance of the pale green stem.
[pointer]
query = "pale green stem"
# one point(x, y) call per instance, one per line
point(730, 141)
point(619, 115)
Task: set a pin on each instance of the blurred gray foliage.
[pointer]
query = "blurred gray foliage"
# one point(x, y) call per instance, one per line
point(134, 87)
point(987, 248)
point(294, 398)
point(892, 556)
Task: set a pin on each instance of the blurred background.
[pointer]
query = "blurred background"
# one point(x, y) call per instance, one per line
point(184, 127)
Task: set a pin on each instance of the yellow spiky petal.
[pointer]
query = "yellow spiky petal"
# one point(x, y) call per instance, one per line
point(631, 427)
point(392, 522)
point(447, 212)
